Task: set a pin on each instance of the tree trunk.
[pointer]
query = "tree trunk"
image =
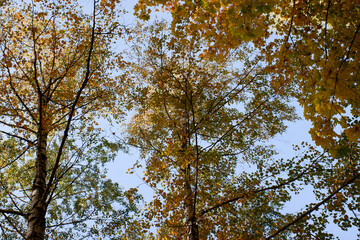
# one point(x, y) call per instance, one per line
point(36, 219)
point(192, 230)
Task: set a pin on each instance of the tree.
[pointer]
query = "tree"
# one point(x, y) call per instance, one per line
point(56, 77)
point(312, 44)
point(200, 124)
point(311, 49)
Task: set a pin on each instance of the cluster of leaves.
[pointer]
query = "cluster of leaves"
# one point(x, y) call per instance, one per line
point(320, 49)
point(222, 24)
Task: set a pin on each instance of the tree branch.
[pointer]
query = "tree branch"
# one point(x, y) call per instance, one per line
point(73, 107)
point(16, 136)
point(314, 208)
point(263, 189)
point(10, 211)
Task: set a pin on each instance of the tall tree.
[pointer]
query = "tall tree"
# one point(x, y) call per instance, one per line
point(311, 49)
point(200, 125)
point(56, 77)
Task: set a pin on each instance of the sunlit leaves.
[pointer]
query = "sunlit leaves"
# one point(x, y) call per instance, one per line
point(222, 24)
point(319, 53)
point(196, 120)
point(313, 45)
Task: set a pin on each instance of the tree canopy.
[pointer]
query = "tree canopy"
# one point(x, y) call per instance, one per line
point(205, 92)
point(202, 125)
point(313, 44)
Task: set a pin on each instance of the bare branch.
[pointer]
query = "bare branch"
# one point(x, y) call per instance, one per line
point(10, 211)
point(15, 159)
point(16, 136)
point(14, 226)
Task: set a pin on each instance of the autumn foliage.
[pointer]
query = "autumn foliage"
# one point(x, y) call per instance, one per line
point(192, 134)
point(312, 44)
point(206, 91)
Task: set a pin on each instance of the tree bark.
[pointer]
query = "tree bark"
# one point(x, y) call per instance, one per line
point(192, 230)
point(36, 219)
